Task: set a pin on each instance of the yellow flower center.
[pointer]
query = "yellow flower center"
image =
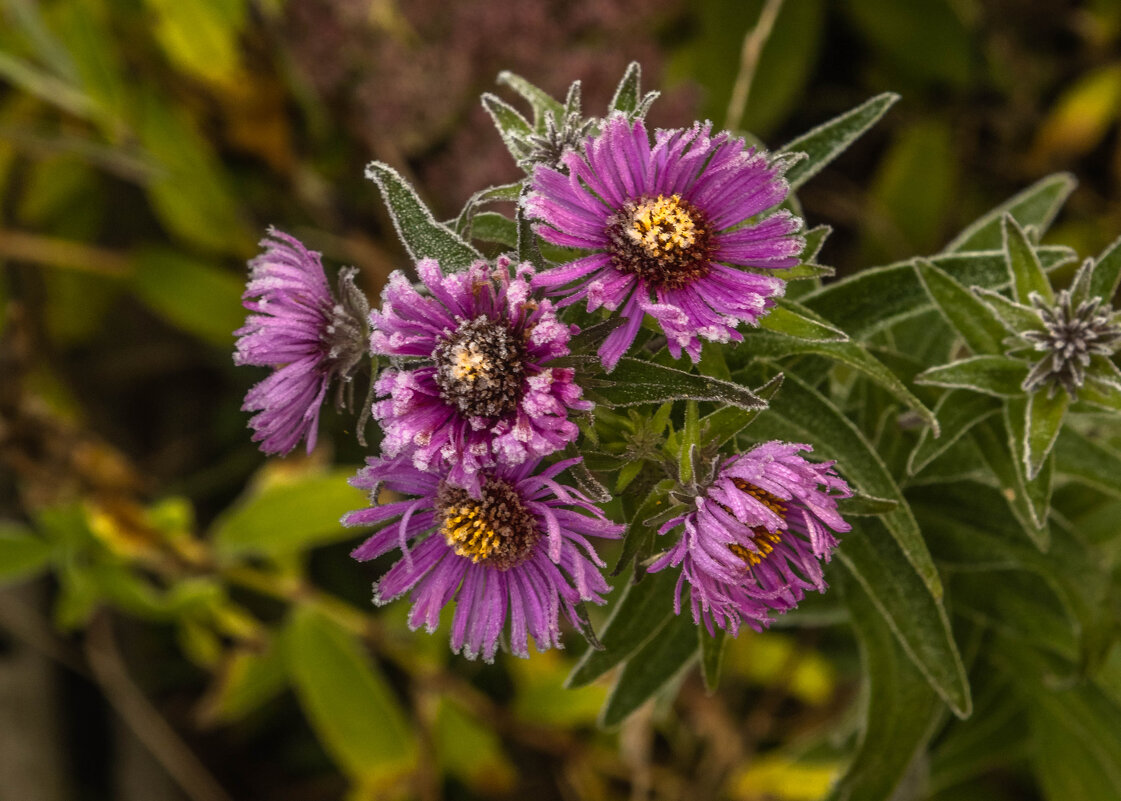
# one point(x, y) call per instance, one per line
point(468, 532)
point(662, 225)
point(495, 528)
point(664, 240)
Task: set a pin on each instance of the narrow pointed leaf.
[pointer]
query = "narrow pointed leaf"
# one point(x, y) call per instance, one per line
point(1024, 265)
point(1044, 418)
point(862, 505)
point(540, 100)
point(1035, 206)
point(1036, 489)
point(422, 235)
point(801, 414)
point(992, 375)
point(22, 554)
point(973, 320)
point(656, 664)
point(725, 423)
point(1091, 462)
point(628, 92)
point(876, 298)
point(827, 141)
point(957, 411)
point(635, 381)
point(1015, 317)
point(773, 345)
point(346, 699)
point(916, 618)
point(793, 319)
point(512, 126)
point(1107, 273)
point(814, 239)
point(901, 714)
point(1101, 394)
point(642, 612)
point(712, 656)
point(993, 443)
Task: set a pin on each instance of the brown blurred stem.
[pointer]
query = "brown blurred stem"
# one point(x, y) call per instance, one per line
point(749, 62)
point(22, 246)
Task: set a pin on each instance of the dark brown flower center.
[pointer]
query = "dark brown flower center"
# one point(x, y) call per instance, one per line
point(480, 367)
point(763, 539)
point(665, 241)
point(496, 529)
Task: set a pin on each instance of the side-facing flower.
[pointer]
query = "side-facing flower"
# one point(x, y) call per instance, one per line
point(479, 390)
point(298, 328)
point(755, 539)
point(517, 551)
point(669, 224)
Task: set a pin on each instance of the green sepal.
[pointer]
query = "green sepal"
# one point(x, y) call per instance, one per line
point(1024, 266)
point(541, 102)
point(1014, 316)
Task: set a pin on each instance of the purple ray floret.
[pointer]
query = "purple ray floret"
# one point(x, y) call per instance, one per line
point(668, 226)
point(517, 552)
point(471, 385)
point(297, 328)
point(756, 538)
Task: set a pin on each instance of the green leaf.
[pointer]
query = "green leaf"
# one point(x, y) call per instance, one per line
point(638, 543)
point(1013, 316)
point(957, 411)
point(1044, 419)
point(728, 421)
point(200, 37)
point(802, 414)
point(642, 611)
point(1107, 273)
point(993, 443)
point(490, 226)
point(1036, 489)
point(769, 344)
point(1089, 461)
point(509, 193)
point(712, 656)
point(927, 40)
point(650, 670)
point(470, 750)
point(289, 517)
point(192, 295)
point(541, 102)
point(512, 126)
point(635, 382)
point(249, 679)
point(901, 713)
point(973, 320)
point(992, 375)
point(418, 230)
point(347, 701)
point(827, 141)
point(690, 439)
point(916, 617)
point(628, 97)
point(1024, 265)
point(876, 298)
point(861, 505)
point(793, 319)
point(1076, 744)
point(22, 554)
point(1036, 206)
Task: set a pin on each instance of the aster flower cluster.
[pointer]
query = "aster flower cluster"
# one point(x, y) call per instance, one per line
point(490, 377)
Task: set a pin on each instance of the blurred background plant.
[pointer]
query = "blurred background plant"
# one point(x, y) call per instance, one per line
point(184, 620)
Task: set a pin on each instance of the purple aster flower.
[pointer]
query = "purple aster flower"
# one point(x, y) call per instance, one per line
point(483, 392)
point(669, 227)
point(517, 550)
point(299, 329)
point(755, 541)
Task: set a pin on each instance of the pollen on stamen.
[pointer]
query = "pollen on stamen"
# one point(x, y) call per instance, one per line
point(495, 529)
point(664, 240)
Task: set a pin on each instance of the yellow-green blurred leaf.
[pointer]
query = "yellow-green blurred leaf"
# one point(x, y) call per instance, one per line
point(291, 516)
point(780, 778)
point(347, 700)
point(22, 554)
point(190, 294)
point(1082, 115)
point(200, 37)
point(471, 752)
point(247, 680)
point(541, 695)
point(770, 659)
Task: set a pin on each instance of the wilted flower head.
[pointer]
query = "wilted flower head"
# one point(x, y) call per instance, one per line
point(668, 224)
point(481, 391)
point(299, 329)
point(517, 551)
point(756, 538)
